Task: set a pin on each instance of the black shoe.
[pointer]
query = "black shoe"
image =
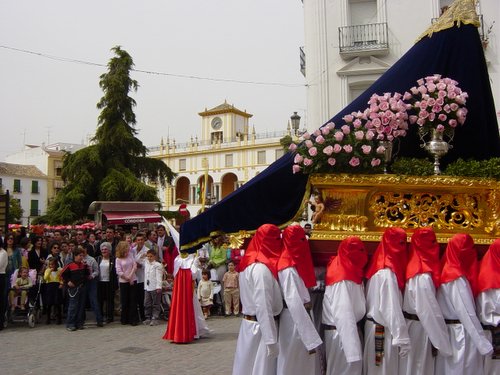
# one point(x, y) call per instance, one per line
point(100, 324)
point(71, 329)
point(133, 324)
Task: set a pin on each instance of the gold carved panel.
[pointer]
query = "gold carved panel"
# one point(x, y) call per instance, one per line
point(365, 205)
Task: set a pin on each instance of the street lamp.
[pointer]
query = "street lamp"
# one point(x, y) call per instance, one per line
point(295, 118)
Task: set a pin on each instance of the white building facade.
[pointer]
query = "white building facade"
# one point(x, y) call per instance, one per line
point(228, 154)
point(349, 44)
point(28, 185)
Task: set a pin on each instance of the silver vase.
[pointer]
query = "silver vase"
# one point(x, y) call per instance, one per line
point(387, 153)
point(437, 147)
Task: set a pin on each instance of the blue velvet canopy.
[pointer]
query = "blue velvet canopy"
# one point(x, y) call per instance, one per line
point(275, 195)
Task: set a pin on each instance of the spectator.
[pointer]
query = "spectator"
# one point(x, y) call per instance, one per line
point(20, 288)
point(140, 257)
point(231, 290)
point(92, 283)
point(75, 276)
point(54, 250)
point(206, 293)
point(108, 282)
point(66, 253)
point(153, 277)
point(14, 258)
point(37, 255)
point(125, 269)
point(53, 290)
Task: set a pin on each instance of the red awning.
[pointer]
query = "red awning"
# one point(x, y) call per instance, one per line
point(128, 217)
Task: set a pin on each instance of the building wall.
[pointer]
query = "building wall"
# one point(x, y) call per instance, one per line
point(26, 195)
point(334, 81)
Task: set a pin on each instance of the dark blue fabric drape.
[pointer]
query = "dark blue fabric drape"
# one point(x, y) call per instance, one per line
point(274, 196)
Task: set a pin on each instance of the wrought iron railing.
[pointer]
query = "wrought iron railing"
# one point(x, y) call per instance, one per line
point(373, 36)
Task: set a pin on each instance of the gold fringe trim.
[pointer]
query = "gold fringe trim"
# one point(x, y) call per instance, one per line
point(460, 12)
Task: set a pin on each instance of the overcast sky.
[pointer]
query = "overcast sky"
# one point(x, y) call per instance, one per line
point(52, 99)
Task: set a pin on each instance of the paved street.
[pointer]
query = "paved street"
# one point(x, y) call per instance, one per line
point(115, 349)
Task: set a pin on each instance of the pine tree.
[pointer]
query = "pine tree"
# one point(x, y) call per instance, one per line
point(115, 167)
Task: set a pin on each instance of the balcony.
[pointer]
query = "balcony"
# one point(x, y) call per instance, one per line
point(34, 212)
point(364, 40)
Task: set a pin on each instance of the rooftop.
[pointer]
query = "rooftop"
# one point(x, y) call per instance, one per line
point(19, 170)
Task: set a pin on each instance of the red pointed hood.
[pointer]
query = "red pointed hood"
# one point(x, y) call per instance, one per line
point(424, 255)
point(265, 247)
point(296, 253)
point(349, 263)
point(489, 270)
point(460, 259)
point(391, 253)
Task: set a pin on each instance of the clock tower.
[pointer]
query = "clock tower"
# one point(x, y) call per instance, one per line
point(224, 123)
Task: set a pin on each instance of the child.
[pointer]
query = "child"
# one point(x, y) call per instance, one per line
point(20, 288)
point(53, 289)
point(153, 275)
point(231, 290)
point(75, 275)
point(206, 293)
point(319, 207)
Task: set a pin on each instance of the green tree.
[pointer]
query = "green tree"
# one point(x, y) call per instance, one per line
point(15, 211)
point(115, 167)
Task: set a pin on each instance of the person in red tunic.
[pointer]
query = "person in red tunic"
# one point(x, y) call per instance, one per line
point(181, 328)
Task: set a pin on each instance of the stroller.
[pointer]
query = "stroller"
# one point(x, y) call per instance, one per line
point(32, 312)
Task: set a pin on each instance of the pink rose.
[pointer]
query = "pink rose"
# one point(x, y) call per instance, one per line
point(306, 135)
point(452, 123)
point(454, 106)
point(354, 162)
point(331, 161)
point(345, 129)
point(292, 147)
point(325, 130)
point(330, 126)
point(380, 150)
point(295, 168)
point(366, 149)
point(413, 119)
point(308, 143)
point(359, 135)
point(440, 128)
point(313, 151)
point(375, 162)
point(442, 117)
point(407, 96)
point(320, 140)
point(422, 89)
point(338, 136)
point(347, 148)
point(420, 82)
point(337, 148)
point(414, 90)
point(431, 87)
point(348, 118)
point(328, 150)
point(369, 135)
point(298, 159)
point(432, 116)
point(420, 121)
point(384, 106)
point(357, 123)
point(307, 162)
point(316, 132)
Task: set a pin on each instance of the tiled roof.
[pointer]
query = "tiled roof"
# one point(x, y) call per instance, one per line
point(20, 170)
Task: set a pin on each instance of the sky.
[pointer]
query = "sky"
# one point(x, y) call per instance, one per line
point(52, 53)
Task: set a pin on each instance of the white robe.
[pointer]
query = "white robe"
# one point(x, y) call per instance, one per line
point(488, 311)
point(261, 297)
point(297, 334)
point(430, 330)
point(467, 339)
point(384, 305)
point(344, 305)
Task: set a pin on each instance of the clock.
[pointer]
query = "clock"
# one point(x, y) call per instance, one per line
point(216, 123)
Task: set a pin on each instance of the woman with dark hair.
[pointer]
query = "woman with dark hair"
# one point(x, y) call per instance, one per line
point(54, 250)
point(15, 259)
point(37, 255)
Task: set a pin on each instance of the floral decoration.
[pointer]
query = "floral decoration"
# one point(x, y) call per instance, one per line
point(437, 104)
point(355, 146)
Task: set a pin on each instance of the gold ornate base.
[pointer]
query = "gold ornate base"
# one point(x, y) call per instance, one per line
point(365, 205)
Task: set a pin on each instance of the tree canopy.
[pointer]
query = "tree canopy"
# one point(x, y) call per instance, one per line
point(115, 167)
